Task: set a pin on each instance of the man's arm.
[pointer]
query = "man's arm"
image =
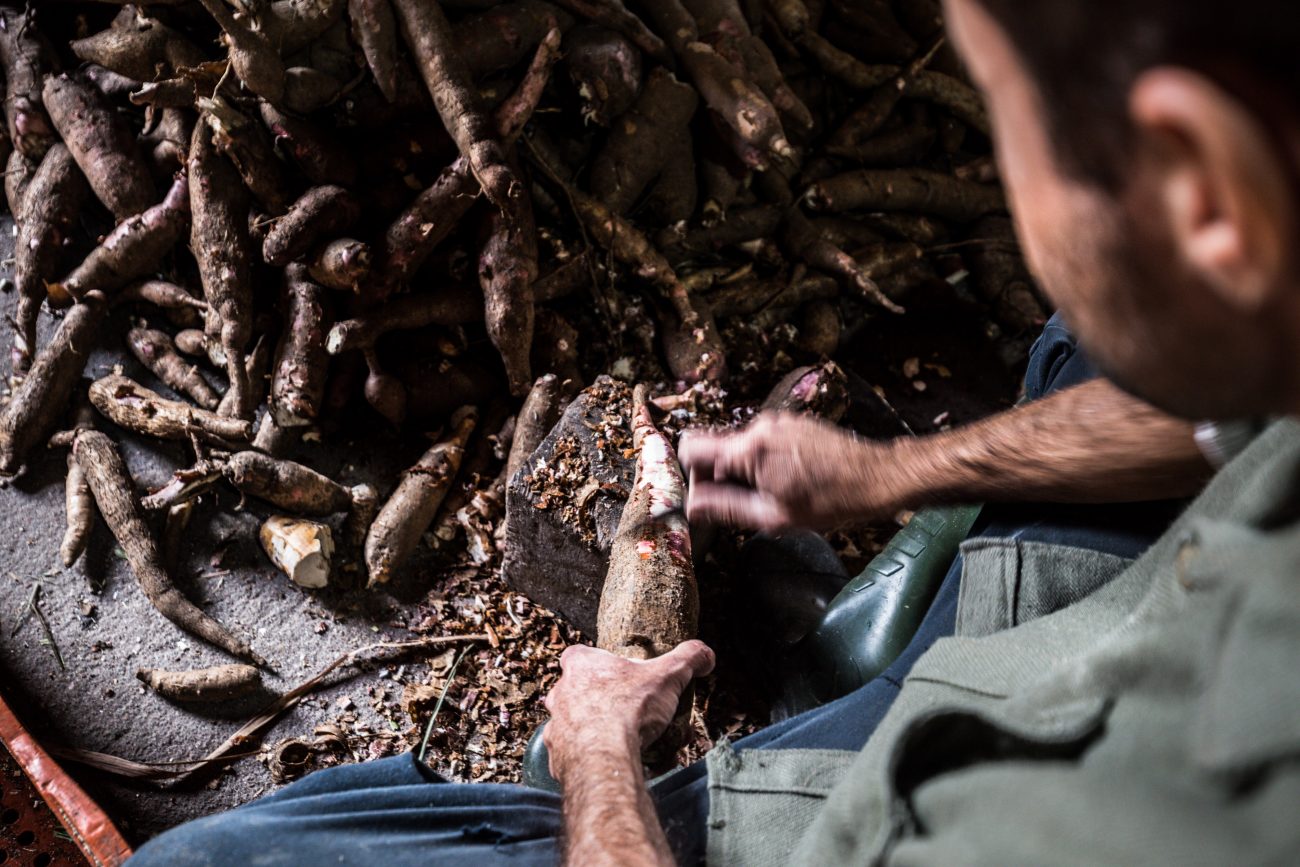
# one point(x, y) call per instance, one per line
point(608, 815)
point(1090, 443)
point(603, 710)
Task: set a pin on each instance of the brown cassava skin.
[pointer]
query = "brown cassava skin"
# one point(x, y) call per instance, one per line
point(246, 143)
point(79, 506)
point(160, 293)
point(192, 341)
point(110, 83)
point(435, 212)
point(253, 57)
point(751, 297)
point(944, 91)
point(694, 352)
point(317, 214)
point(606, 69)
point(494, 429)
point(342, 264)
point(872, 113)
point(410, 510)
point(257, 366)
point(819, 389)
point(740, 104)
point(692, 343)
point(741, 225)
point(641, 142)
point(905, 145)
point(102, 144)
point(1001, 278)
point(133, 249)
point(169, 143)
point(762, 67)
point(361, 514)
point(614, 15)
point(503, 36)
point(555, 347)
point(44, 227)
point(307, 90)
point(168, 93)
point(820, 328)
point(805, 242)
point(221, 246)
point(127, 403)
point(301, 361)
point(19, 171)
point(429, 36)
point(723, 26)
point(375, 29)
point(673, 197)
point(507, 269)
point(155, 350)
point(138, 48)
point(291, 25)
point(568, 277)
point(175, 524)
point(288, 485)
point(219, 683)
point(317, 152)
point(27, 58)
point(454, 305)
point(629, 246)
point(115, 495)
point(384, 391)
point(184, 485)
point(541, 410)
point(435, 386)
point(34, 408)
point(650, 602)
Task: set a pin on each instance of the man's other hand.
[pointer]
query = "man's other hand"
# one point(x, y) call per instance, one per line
point(603, 701)
point(788, 471)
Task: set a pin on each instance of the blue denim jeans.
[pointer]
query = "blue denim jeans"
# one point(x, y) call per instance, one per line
point(396, 812)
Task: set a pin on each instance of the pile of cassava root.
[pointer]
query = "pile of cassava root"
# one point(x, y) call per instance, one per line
point(432, 206)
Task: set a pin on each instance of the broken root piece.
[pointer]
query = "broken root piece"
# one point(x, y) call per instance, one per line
point(299, 548)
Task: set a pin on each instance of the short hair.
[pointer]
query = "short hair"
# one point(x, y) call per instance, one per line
point(1086, 54)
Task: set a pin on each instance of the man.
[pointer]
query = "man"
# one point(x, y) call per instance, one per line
point(1150, 150)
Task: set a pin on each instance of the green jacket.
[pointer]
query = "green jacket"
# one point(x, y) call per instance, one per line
point(1087, 711)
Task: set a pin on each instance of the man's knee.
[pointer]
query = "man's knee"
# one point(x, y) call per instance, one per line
point(1056, 361)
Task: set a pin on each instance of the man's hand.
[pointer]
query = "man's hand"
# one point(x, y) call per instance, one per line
point(789, 471)
point(603, 701)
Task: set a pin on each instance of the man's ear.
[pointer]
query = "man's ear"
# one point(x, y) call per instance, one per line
point(1222, 180)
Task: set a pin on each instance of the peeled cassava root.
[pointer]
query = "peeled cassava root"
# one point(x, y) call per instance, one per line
point(650, 603)
point(299, 548)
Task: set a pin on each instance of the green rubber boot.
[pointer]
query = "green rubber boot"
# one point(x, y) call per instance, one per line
point(872, 620)
point(537, 764)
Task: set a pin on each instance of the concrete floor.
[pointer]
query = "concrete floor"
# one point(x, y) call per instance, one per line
point(105, 628)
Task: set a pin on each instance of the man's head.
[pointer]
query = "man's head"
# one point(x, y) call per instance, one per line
point(1151, 152)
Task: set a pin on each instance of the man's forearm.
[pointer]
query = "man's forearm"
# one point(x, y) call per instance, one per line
point(1091, 443)
point(608, 815)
